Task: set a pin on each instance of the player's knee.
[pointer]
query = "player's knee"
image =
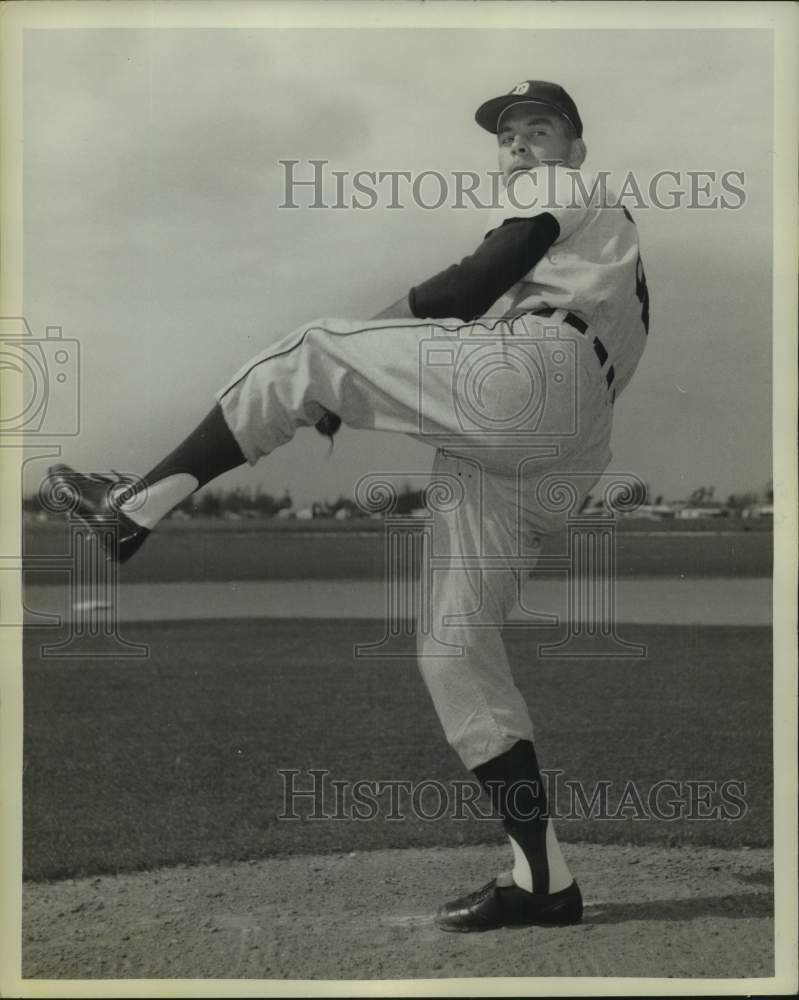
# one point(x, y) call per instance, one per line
point(317, 343)
point(319, 330)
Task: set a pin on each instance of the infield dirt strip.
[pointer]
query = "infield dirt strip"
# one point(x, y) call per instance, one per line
point(657, 600)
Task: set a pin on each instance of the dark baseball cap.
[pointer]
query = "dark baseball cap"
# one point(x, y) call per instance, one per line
point(550, 95)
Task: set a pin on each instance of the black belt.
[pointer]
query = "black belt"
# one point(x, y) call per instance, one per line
point(582, 327)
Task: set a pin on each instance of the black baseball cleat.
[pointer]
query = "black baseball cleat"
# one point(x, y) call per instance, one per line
point(95, 500)
point(496, 906)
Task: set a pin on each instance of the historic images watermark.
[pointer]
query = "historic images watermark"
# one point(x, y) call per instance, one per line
point(89, 566)
point(315, 795)
point(315, 184)
point(40, 404)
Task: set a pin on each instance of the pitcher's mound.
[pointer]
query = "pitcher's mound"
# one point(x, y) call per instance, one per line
point(649, 911)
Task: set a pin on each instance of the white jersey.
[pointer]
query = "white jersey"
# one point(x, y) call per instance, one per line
point(593, 268)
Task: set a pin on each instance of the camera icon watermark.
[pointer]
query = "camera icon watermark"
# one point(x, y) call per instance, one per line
point(84, 605)
point(40, 381)
point(495, 384)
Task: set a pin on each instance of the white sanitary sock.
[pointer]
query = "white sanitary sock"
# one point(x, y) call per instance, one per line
point(147, 508)
point(559, 875)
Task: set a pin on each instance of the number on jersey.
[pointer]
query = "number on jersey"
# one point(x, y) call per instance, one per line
point(641, 290)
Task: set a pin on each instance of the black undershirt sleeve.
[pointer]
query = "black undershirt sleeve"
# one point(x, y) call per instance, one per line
point(465, 291)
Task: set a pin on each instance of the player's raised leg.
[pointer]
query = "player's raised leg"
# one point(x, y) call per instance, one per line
point(368, 373)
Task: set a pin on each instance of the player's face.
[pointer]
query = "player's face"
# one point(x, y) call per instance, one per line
point(529, 136)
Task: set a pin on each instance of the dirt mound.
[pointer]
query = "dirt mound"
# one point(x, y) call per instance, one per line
point(650, 911)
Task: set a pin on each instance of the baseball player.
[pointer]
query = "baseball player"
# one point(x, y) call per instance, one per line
point(509, 364)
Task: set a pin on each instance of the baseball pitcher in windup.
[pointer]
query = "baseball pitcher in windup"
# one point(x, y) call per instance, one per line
point(508, 364)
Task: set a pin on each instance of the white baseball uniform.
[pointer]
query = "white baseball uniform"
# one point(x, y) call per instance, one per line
point(505, 400)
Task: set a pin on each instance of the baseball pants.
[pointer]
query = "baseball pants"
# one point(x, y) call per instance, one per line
point(505, 403)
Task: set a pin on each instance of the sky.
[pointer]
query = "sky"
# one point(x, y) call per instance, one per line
point(154, 236)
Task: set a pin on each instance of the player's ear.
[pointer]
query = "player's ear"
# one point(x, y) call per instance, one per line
point(577, 153)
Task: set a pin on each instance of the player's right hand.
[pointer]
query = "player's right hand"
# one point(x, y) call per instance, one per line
point(329, 424)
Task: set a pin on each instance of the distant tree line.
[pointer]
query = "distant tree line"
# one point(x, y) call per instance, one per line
point(257, 503)
point(239, 500)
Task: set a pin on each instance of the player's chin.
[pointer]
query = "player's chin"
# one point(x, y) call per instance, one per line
point(518, 169)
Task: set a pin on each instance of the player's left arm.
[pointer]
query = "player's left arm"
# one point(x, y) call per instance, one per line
point(467, 290)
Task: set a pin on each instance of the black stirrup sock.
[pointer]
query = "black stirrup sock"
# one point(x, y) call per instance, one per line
point(514, 784)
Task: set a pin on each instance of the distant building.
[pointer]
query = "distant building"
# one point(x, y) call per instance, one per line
point(761, 510)
point(653, 511)
point(694, 513)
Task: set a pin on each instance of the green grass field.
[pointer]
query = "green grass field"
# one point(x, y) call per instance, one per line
point(221, 550)
point(136, 764)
